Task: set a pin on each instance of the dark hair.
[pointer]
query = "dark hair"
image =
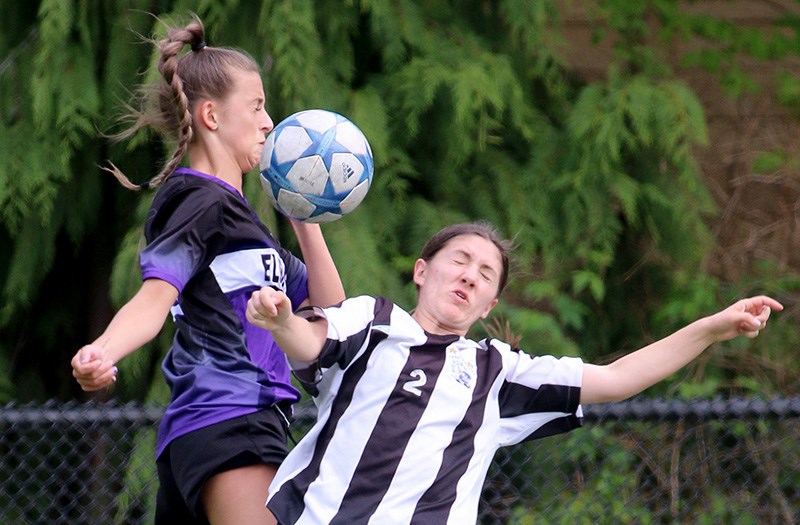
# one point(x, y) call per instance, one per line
point(166, 106)
point(480, 228)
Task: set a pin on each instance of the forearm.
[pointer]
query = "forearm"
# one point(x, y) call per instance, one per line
point(130, 329)
point(324, 283)
point(300, 339)
point(139, 321)
point(635, 372)
point(643, 368)
point(136, 323)
point(663, 358)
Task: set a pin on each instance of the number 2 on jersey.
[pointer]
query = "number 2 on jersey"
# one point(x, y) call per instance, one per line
point(414, 385)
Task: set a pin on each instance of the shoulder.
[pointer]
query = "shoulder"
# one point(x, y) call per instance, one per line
point(182, 188)
point(186, 197)
point(515, 357)
point(367, 300)
point(178, 206)
point(365, 304)
point(384, 310)
point(365, 308)
point(497, 345)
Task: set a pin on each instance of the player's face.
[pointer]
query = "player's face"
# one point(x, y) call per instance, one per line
point(458, 285)
point(243, 120)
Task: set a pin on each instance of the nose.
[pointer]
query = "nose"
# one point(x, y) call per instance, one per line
point(469, 276)
point(267, 125)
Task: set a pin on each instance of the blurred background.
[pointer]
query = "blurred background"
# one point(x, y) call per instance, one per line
point(644, 154)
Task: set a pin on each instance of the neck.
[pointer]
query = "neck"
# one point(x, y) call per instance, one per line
point(432, 327)
point(200, 160)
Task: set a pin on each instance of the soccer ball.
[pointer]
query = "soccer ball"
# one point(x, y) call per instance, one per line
point(316, 166)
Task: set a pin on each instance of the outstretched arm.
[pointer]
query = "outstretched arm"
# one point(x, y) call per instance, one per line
point(643, 368)
point(324, 284)
point(136, 323)
point(299, 339)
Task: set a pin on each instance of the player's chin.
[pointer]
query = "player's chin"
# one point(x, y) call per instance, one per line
point(256, 157)
point(249, 165)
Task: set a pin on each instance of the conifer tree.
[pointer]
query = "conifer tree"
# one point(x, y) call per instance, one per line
point(471, 113)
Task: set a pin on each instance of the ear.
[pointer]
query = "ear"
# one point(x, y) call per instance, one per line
point(207, 115)
point(419, 271)
point(489, 308)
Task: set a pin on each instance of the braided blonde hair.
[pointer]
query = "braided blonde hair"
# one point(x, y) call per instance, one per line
point(166, 106)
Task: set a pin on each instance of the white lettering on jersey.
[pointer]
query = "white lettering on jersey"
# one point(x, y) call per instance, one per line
point(413, 386)
point(274, 270)
point(258, 267)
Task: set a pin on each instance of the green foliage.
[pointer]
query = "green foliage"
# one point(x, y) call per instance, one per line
point(609, 496)
point(650, 472)
point(6, 386)
point(726, 510)
point(139, 474)
point(471, 113)
point(771, 161)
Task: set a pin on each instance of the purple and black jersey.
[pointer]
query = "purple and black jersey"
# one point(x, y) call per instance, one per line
point(205, 239)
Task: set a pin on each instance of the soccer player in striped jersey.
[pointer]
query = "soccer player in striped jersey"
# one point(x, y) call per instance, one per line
point(411, 412)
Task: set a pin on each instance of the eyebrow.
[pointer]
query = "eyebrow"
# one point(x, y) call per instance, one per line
point(459, 251)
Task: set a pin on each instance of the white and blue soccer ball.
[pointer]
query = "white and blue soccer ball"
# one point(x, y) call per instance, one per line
point(316, 166)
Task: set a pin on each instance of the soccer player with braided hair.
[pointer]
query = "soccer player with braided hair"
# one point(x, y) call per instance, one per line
point(224, 431)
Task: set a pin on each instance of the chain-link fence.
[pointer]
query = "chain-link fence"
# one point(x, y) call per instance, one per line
point(638, 462)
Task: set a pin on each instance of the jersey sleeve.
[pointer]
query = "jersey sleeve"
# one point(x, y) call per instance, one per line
point(296, 277)
point(349, 329)
point(180, 239)
point(539, 397)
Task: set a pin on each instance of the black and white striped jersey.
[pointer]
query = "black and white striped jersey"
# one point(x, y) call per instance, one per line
point(408, 422)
